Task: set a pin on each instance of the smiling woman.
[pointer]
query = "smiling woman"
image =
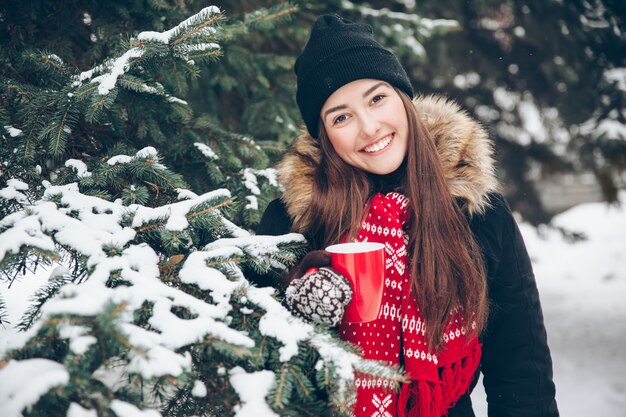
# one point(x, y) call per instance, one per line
point(418, 177)
point(367, 126)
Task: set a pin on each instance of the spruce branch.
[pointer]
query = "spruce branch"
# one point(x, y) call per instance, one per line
point(200, 25)
point(29, 143)
point(157, 289)
point(59, 130)
point(3, 314)
point(98, 104)
point(54, 61)
point(263, 19)
point(301, 381)
point(283, 384)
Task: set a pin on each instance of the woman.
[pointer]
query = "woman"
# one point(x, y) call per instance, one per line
point(417, 176)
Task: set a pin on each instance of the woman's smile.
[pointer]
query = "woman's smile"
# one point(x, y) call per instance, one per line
point(379, 145)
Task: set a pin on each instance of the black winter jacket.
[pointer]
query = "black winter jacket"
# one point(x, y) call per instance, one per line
point(516, 362)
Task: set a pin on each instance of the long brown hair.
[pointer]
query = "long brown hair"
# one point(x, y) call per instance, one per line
point(446, 265)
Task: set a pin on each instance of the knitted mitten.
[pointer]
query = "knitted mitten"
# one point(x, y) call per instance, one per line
point(313, 259)
point(319, 295)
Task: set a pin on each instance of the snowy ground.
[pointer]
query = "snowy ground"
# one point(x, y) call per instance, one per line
point(583, 292)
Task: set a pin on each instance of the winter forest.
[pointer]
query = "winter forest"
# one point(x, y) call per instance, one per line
point(138, 140)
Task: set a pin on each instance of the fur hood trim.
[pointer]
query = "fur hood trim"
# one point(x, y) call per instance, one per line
point(464, 148)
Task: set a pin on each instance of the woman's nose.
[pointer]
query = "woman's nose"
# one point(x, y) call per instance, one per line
point(369, 126)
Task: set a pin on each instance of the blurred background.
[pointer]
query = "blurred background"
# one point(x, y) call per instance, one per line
point(547, 78)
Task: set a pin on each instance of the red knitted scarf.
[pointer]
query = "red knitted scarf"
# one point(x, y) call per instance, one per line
point(396, 337)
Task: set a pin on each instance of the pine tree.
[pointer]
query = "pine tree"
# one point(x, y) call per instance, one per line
point(546, 78)
point(147, 308)
point(134, 164)
point(223, 97)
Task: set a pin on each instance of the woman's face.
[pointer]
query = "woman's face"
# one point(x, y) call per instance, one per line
point(367, 125)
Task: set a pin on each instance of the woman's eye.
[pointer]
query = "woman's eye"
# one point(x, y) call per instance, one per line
point(339, 119)
point(377, 98)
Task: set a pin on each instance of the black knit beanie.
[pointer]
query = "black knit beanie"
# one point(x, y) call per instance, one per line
point(337, 53)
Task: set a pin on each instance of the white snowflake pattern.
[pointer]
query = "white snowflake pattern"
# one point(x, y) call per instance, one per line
point(394, 257)
point(381, 405)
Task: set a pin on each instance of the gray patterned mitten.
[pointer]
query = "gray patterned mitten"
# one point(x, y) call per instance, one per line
point(319, 295)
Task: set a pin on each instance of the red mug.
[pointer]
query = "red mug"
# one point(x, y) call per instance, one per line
point(363, 263)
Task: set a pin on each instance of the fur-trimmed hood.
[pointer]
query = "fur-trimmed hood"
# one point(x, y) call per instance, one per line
point(463, 145)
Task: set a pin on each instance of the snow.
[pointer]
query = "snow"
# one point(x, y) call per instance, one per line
point(148, 152)
point(111, 70)
point(252, 389)
point(27, 232)
point(416, 47)
point(582, 287)
point(234, 230)
point(279, 323)
point(608, 128)
point(269, 174)
point(76, 410)
point(199, 389)
point(13, 132)
point(175, 213)
point(97, 218)
point(206, 150)
point(165, 37)
point(256, 245)
point(117, 68)
point(149, 89)
point(538, 125)
point(79, 167)
point(406, 17)
point(184, 194)
point(250, 181)
point(80, 342)
point(617, 76)
point(409, 4)
point(468, 80)
point(122, 408)
point(12, 191)
point(406, 26)
point(177, 100)
point(88, 224)
point(611, 129)
point(15, 376)
point(530, 116)
point(119, 159)
point(86, 18)
point(196, 271)
point(506, 100)
point(199, 47)
point(253, 202)
point(159, 361)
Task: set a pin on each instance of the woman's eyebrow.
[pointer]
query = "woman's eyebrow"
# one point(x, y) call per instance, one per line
point(365, 94)
point(373, 88)
point(332, 109)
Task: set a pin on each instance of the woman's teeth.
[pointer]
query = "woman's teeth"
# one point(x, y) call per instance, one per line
point(381, 144)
